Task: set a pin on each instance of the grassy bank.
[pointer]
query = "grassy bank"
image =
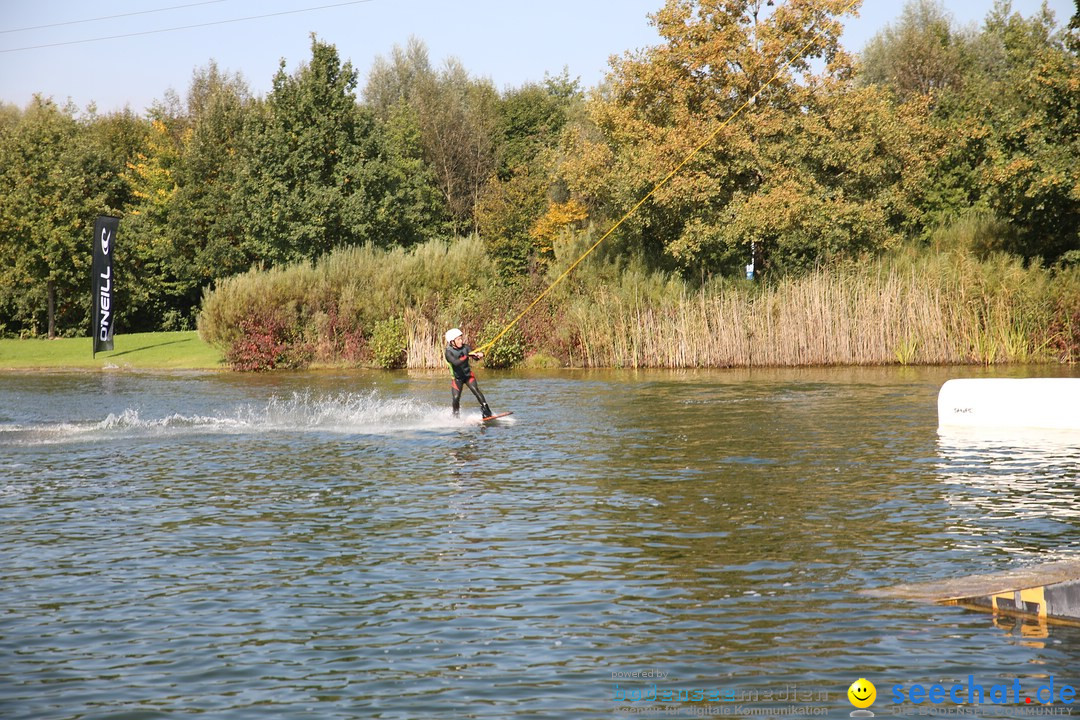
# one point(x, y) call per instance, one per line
point(368, 306)
point(140, 351)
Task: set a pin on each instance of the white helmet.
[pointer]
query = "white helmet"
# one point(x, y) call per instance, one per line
point(452, 335)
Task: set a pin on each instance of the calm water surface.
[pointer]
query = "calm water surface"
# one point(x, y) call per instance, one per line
point(336, 545)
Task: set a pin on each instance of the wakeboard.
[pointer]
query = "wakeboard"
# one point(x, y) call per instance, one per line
point(496, 416)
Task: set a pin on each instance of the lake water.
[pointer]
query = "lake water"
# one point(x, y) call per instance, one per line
point(337, 545)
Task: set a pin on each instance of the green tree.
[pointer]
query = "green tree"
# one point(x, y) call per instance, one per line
point(312, 167)
point(395, 79)
point(411, 209)
point(455, 115)
point(528, 125)
point(1032, 172)
point(921, 54)
point(530, 119)
point(56, 176)
point(1010, 119)
point(457, 118)
point(208, 231)
point(415, 207)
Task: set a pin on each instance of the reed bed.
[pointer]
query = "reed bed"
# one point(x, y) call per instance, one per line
point(899, 313)
point(916, 308)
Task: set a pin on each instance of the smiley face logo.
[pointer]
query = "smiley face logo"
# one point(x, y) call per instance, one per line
point(862, 693)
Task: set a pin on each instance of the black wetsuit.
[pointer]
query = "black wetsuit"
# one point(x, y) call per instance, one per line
point(460, 376)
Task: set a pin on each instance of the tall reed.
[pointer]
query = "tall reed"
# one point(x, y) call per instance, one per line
point(917, 307)
point(927, 311)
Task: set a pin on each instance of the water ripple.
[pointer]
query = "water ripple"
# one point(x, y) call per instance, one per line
point(299, 548)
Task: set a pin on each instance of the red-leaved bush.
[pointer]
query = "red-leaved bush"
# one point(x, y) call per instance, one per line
point(266, 341)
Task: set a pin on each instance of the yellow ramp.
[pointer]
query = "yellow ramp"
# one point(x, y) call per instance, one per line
point(1049, 592)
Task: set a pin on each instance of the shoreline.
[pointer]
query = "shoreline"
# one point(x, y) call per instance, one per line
point(185, 352)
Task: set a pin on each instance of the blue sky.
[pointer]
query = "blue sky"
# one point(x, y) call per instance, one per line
point(509, 41)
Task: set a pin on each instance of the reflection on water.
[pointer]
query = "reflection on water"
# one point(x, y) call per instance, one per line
point(1024, 480)
point(337, 545)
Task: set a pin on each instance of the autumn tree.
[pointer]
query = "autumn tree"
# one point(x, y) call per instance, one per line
point(794, 176)
point(147, 251)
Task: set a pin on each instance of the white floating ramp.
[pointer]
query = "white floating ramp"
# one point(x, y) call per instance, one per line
point(1051, 403)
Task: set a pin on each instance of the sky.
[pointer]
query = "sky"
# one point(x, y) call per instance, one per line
point(512, 42)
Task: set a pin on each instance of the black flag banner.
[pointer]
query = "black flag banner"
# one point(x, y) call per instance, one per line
point(104, 282)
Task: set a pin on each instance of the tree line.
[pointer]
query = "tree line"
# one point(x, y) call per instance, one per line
point(841, 156)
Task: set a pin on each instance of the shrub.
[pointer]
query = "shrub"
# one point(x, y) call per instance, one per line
point(542, 361)
point(338, 297)
point(389, 343)
point(265, 341)
point(508, 351)
point(259, 345)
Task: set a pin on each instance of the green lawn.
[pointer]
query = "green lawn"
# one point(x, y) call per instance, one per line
point(141, 351)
